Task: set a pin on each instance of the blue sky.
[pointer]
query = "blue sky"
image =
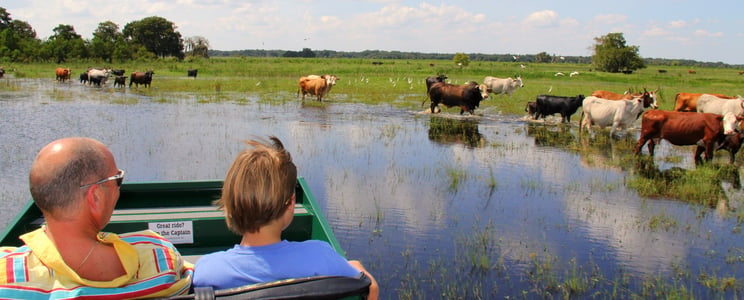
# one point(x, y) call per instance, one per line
point(701, 30)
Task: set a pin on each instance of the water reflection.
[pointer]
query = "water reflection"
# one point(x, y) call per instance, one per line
point(446, 130)
point(408, 194)
point(560, 136)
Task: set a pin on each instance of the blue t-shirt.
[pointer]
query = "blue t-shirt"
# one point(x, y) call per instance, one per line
point(244, 265)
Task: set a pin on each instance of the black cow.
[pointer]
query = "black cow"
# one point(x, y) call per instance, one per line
point(466, 96)
point(120, 81)
point(432, 80)
point(84, 78)
point(531, 108)
point(191, 73)
point(2, 72)
point(144, 78)
point(118, 72)
point(566, 106)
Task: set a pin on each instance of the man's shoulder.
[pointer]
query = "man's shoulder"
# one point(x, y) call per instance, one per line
point(145, 238)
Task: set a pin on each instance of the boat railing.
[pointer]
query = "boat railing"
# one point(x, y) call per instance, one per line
point(316, 287)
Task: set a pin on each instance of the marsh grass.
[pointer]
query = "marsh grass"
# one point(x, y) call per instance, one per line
point(399, 82)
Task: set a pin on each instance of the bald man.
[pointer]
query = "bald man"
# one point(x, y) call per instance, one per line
point(75, 183)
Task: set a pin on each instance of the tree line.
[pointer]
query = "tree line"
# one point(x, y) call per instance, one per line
point(145, 39)
point(156, 37)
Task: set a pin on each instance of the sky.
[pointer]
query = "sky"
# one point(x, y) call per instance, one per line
point(710, 31)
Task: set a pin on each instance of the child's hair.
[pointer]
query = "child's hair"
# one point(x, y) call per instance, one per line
point(258, 186)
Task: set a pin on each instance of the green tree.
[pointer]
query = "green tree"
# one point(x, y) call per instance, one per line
point(611, 54)
point(105, 39)
point(543, 57)
point(18, 40)
point(64, 44)
point(157, 35)
point(461, 59)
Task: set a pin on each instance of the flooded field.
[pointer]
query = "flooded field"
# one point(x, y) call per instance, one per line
point(443, 206)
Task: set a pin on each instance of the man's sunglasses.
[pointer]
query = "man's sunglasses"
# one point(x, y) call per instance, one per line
point(119, 177)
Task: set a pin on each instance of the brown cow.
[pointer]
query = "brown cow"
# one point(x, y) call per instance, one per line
point(649, 98)
point(467, 96)
point(316, 85)
point(144, 78)
point(689, 128)
point(688, 101)
point(63, 74)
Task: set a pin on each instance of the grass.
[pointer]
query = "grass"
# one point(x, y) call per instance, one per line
point(398, 82)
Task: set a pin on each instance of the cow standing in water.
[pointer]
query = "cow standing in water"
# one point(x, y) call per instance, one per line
point(549, 105)
point(63, 74)
point(144, 78)
point(708, 131)
point(316, 85)
point(467, 96)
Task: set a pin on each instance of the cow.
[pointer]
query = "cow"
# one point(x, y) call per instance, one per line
point(192, 73)
point(316, 85)
point(688, 101)
point(120, 81)
point(502, 85)
point(706, 130)
point(2, 72)
point(615, 113)
point(662, 71)
point(118, 72)
point(144, 78)
point(715, 105)
point(466, 96)
point(559, 74)
point(63, 74)
point(432, 80)
point(649, 98)
point(84, 78)
point(574, 73)
point(691, 72)
point(566, 106)
point(98, 76)
point(531, 108)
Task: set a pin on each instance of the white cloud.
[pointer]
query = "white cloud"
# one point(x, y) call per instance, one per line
point(677, 24)
point(704, 33)
point(544, 18)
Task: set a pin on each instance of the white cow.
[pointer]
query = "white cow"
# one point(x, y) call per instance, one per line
point(502, 85)
point(616, 113)
point(712, 104)
point(98, 76)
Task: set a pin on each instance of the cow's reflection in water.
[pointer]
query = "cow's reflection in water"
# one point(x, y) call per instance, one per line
point(724, 180)
point(456, 131)
point(551, 136)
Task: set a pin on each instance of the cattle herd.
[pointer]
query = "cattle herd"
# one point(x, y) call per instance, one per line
point(707, 121)
point(99, 76)
point(710, 121)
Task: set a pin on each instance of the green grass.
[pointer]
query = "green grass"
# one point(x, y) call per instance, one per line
point(400, 82)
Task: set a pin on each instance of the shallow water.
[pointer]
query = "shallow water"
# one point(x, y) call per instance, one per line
point(435, 206)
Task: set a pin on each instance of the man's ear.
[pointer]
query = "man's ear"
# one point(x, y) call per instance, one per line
point(93, 201)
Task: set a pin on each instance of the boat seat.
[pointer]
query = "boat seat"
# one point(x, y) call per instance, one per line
point(316, 287)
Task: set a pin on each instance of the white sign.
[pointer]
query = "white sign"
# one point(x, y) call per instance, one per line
point(180, 232)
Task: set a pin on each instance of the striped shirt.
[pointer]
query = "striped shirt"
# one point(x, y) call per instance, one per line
point(154, 268)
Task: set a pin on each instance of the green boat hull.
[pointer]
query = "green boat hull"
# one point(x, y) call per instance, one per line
point(183, 212)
